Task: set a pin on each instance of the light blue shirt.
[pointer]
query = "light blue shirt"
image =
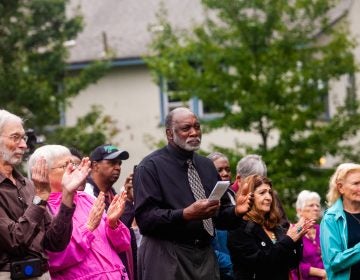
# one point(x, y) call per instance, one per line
point(337, 257)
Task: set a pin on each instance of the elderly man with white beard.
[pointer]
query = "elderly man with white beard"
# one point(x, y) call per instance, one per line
point(171, 186)
point(27, 229)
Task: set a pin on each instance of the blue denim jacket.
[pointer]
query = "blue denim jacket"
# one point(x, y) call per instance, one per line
point(337, 257)
point(219, 244)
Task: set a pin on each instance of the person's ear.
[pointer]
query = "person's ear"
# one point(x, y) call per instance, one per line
point(238, 178)
point(169, 134)
point(340, 188)
point(94, 166)
point(298, 211)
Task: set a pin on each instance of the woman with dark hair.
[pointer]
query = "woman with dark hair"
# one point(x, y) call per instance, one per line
point(260, 248)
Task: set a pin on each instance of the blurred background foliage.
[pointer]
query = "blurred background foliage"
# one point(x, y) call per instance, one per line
point(35, 82)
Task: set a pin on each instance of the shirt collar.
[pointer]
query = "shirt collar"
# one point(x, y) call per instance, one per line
point(180, 155)
point(17, 176)
point(96, 189)
point(337, 209)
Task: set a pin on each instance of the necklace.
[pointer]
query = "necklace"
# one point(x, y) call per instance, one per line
point(352, 215)
point(271, 235)
point(311, 235)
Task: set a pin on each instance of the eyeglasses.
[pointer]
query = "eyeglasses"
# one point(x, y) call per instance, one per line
point(16, 138)
point(74, 164)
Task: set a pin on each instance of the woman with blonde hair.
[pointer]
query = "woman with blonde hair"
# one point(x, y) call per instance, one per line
point(260, 248)
point(340, 226)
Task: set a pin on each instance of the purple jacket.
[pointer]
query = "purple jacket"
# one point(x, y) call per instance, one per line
point(311, 257)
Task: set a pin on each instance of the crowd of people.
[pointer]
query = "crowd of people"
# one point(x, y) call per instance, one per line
point(66, 221)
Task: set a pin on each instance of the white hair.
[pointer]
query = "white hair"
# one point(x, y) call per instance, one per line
point(6, 117)
point(216, 155)
point(50, 153)
point(305, 196)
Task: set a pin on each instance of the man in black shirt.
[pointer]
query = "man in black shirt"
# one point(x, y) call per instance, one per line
point(175, 243)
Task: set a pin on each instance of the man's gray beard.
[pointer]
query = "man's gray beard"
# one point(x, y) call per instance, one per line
point(184, 145)
point(7, 157)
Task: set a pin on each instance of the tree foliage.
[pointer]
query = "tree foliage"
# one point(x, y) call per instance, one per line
point(34, 80)
point(90, 131)
point(268, 66)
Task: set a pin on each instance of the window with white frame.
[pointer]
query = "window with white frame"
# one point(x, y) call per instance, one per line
point(169, 98)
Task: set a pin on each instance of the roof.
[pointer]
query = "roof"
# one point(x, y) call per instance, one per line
point(123, 25)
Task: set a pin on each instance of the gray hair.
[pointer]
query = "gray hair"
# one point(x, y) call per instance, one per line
point(6, 117)
point(305, 196)
point(170, 116)
point(340, 174)
point(251, 165)
point(216, 155)
point(50, 153)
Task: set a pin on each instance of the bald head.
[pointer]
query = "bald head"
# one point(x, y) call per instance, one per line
point(176, 114)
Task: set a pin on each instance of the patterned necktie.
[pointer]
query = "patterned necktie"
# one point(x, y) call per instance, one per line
point(199, 193)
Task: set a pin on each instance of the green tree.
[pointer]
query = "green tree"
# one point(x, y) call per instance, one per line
point(90, 131)
point(34, 80)
point(267, 66)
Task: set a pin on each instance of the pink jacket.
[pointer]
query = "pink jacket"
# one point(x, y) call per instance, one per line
point(89, 255)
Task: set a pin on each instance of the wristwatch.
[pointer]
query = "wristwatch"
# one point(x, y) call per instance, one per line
point(38, 201)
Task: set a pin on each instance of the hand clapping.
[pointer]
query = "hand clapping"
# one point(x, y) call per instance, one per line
point(73, 178)
point(128, 186)
point(40, 178)
point(96, 212)
point(298, 230)
point(116, 209)
point(244, 200)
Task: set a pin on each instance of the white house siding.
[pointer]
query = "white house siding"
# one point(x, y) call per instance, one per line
point(131, 98)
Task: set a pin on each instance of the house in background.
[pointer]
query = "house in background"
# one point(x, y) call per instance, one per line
point(128, 92)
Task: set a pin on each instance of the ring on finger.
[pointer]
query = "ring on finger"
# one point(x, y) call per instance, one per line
point(299, 229)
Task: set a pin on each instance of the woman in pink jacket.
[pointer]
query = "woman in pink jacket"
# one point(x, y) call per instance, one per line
point(97, 237)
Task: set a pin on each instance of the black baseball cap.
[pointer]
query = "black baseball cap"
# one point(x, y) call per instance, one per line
point(108, 151)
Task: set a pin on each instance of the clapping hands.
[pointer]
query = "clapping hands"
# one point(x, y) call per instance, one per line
point(96, 212)
point(73, 179)
point(244, 200)
point(298, 230)
point(128, 186)
point(114, 212)
point(116, 209)
point(40, 178)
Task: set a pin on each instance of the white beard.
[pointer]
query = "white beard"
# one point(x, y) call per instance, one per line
point(186, 146)
point(8, 156)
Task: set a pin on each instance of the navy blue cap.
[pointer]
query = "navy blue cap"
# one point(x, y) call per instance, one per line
point(108, 151)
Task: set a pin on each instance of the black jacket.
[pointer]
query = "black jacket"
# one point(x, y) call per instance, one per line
point(255, 256)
